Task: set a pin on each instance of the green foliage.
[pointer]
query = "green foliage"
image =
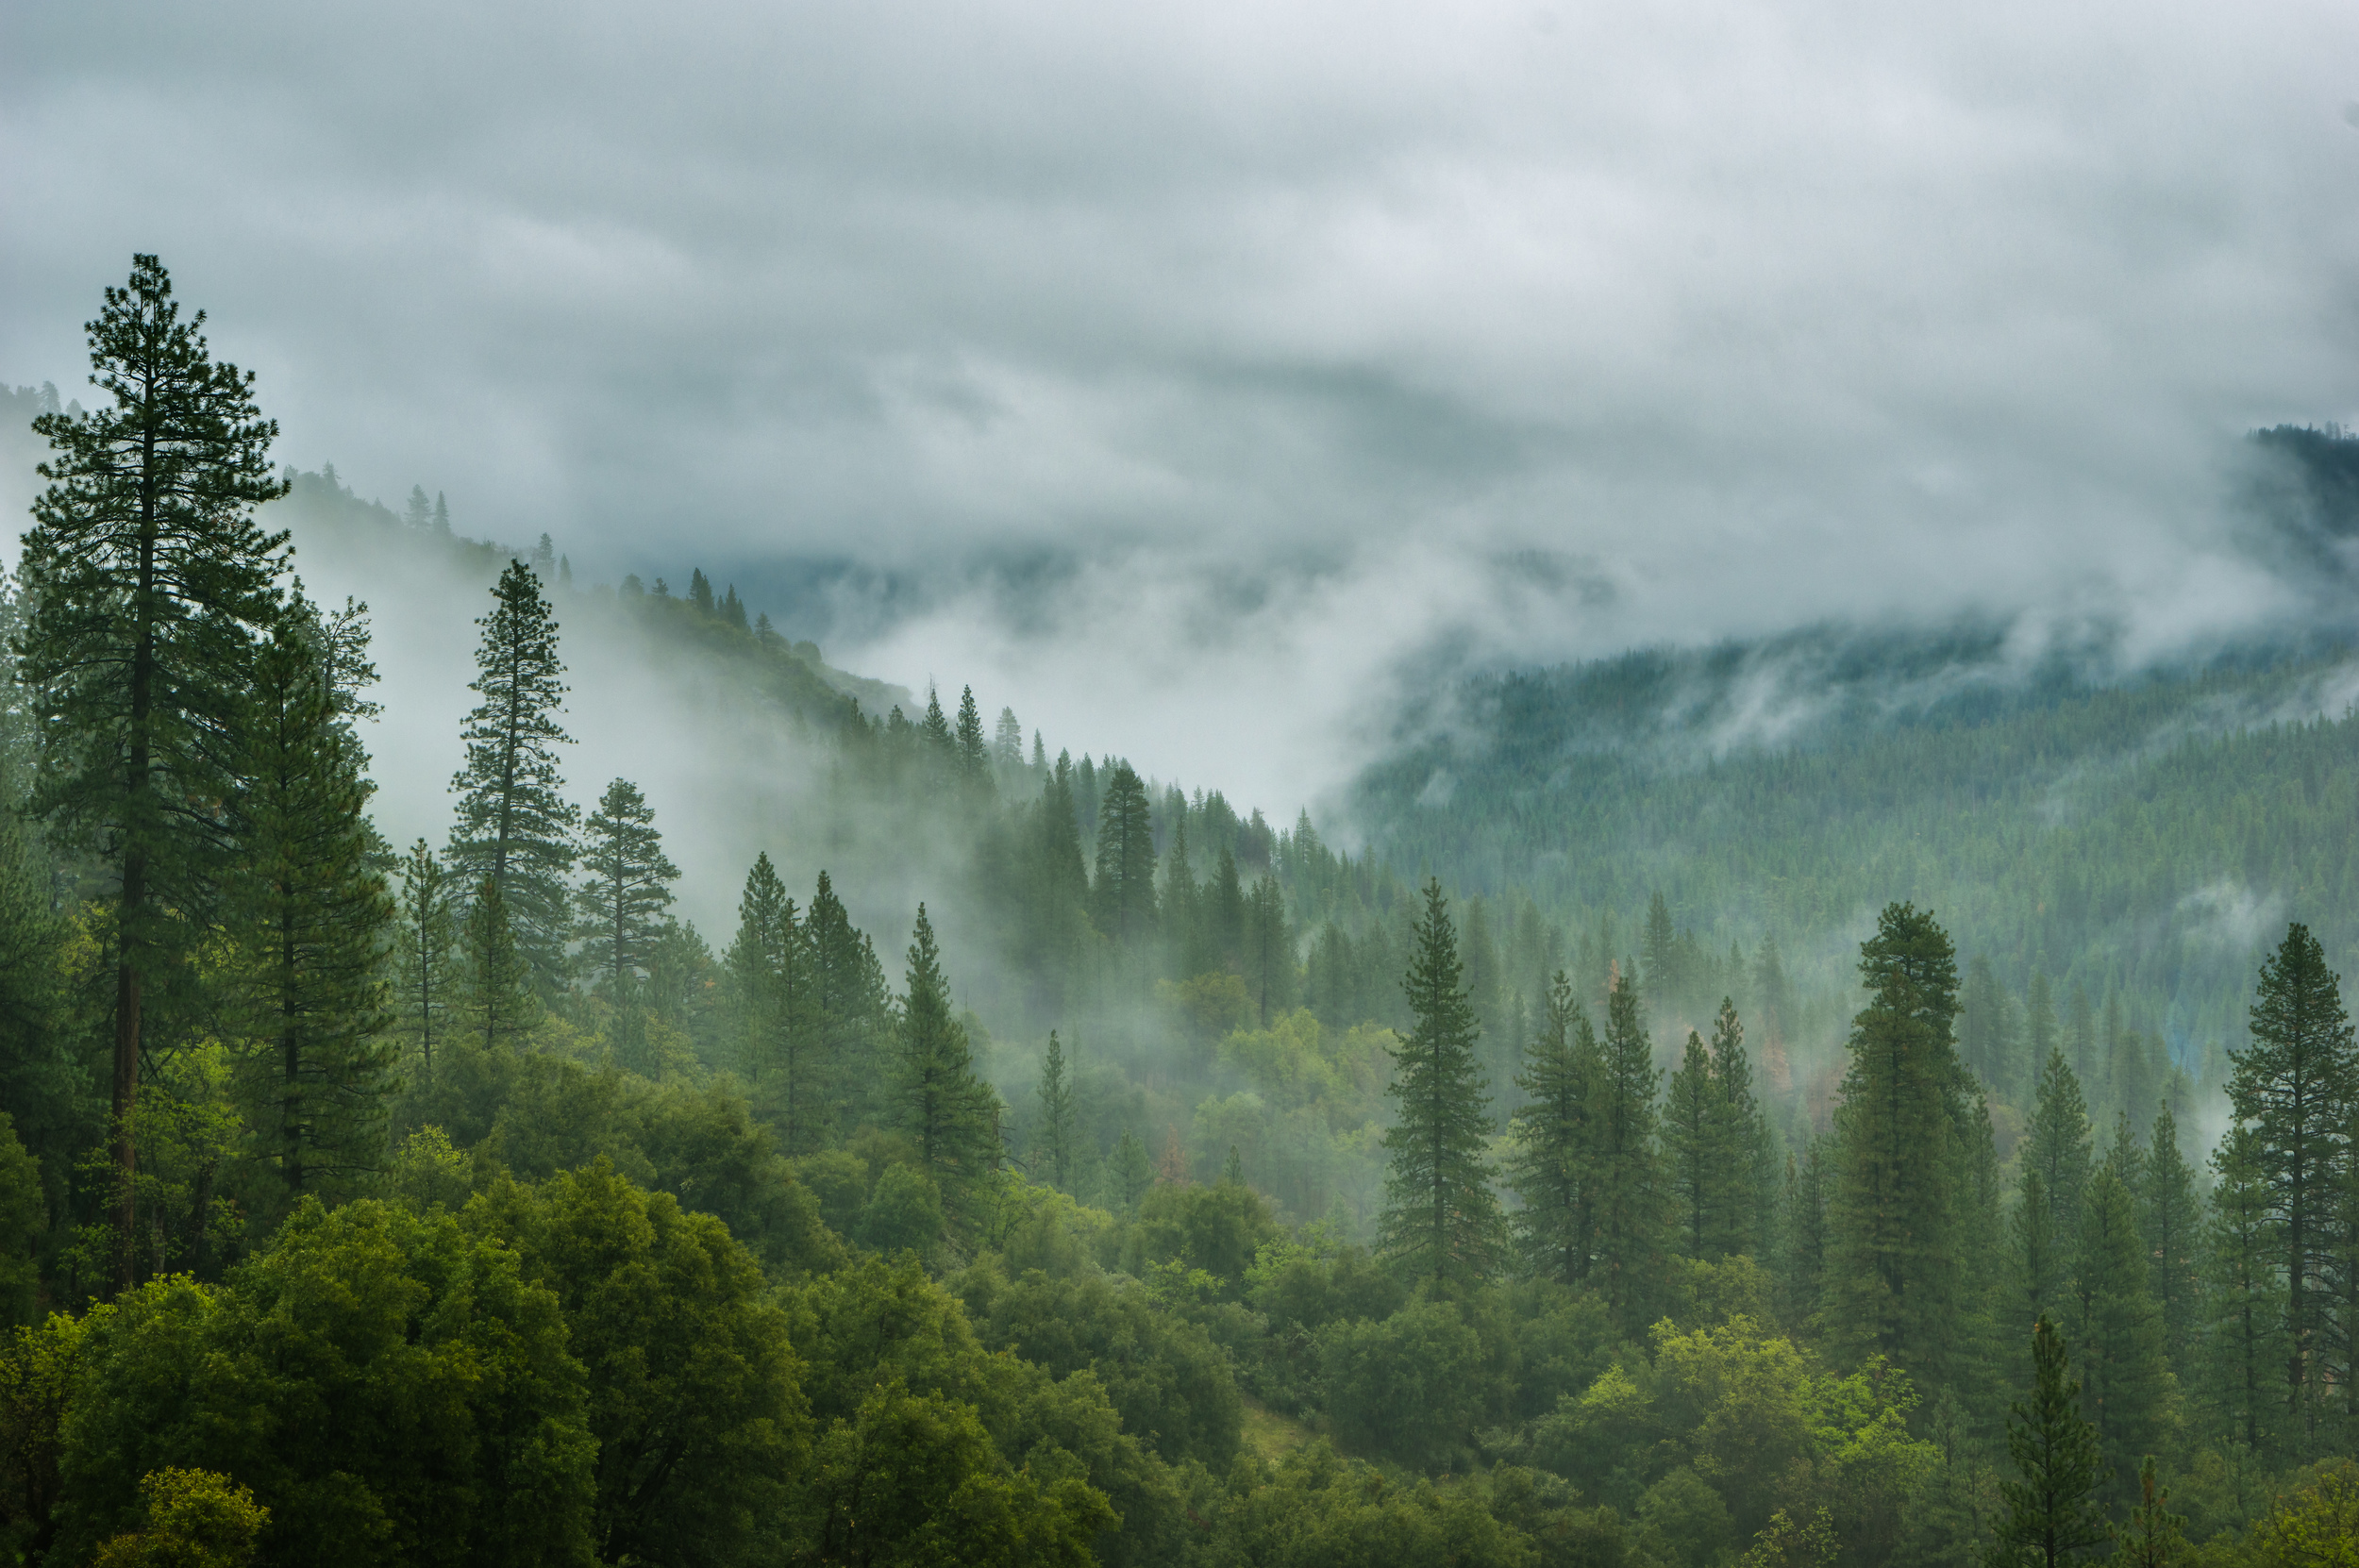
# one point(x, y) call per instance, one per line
point(515, 828)
point(497, 1009)
point(1316, 1510)
point(1553, 1166)
point(630, 881)
point(193, 1519)
point(312, 913)
point(367, 1308)
point(693, 1396)
point(1124, 886)
point(1218, 1229)
point(950, 1115)
point(24, 1218)
point(1411, 1388)
point(2119, 1332)
point(426, 985)
point(2052, 1517)
point(1441, 1220)
point(1893, 1281)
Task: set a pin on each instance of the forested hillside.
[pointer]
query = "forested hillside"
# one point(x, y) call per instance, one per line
point(1682, 1136)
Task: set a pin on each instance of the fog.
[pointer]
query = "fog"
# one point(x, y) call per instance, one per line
point(1201, 383)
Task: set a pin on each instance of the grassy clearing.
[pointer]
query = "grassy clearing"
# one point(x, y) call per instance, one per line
point(1267, 1434)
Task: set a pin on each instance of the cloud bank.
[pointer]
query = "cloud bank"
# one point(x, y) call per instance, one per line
point(1184, 377)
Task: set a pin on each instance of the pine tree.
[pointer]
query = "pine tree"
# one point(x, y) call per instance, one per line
point(2171, 1220)
point(442, 516)
point(2057, 1143)
point(2154, 1536)
point(849, 1006)
point(515, 828)
point(312, 915)
point(2040, 1259)
point(700, 590)
point(1744, 1214)
point(418, 516)
point(1133, 1169)
point(1124, 888)
point(1224, 909)
point(423, 978)
point(1893, 1280)
point(2040, 1038)
point(2052, 1518)
point(1181, 903)
point(497, 1009)
point(1056, 1142)
point(630, 881)
point(2119, 1332)
point(949, 1113)
point(1441, 1220)
point(974, 753)
point(1628, 1168)
point(2298, 1084)
point(149, 582)
point(1660, 947)
point(1552, 1156)
point(1692, 1164)
point(1269, 950)
point(1007, 743)
point(770, 966)
point(2244, 1298)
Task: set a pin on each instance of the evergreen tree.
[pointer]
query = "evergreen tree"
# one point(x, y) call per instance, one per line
point(1553, 1154)
point(2040, 1259)
point(949, 1113)
point(1692, 1165)
point(418, 516)
point(2244, 1299)
point(515, 829)
point(2040, 1038)
point(149, 583)
point(442, 516)
point(974, 753)
point(1124, 889)
point(1058, 1112)
point(2120, 1333)
point(630, 881)
point(312, 914)
point(1893, 1279)
point(1133, 1170)
point(770, 966)
point(2171, 1220)
point(1007, 742)
point(2057, 1144)
point(2298, 1084)
point(1223, 911)
point(1628, 1168)
point(1744, 1216)
point(2052, 1518)
point(426, 934)
point(1269, 950)
point(1441, 1220)
point(2154, 1536)
point(1804, 1226)
point(848, 1003)
point(1180, 904)
point(497, 1009)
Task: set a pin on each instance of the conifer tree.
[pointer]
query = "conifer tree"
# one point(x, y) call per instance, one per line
point(2171, 1220)
point(426, 935)
point(2298, 1084)
point(2244, 1298)
point(2040, 1038)
point(149, 583)
point(949, 1113)
point(2052, 1518)
point(1893, 1278)
point(1552, 1160)
point(1744, 1217)
point(1133, 1168)
point(515, 829)
point(1057, 1115)
point(974, 754)
point(2154, 1536)
point(1224, 909)
point(849, 1002)
point(2119, 1332)
point(497, 1008)
point(1007, 742)
point(418, 515)
point(1181, 903)
point(630, 881)
point(1630, 1184)
point(1269, 950)
point(1441, 1221)
point(1693, 1166)
point(312, 915)
point(1124, 888)
point(770, 968)
point(934, 731)
point(2040, 1261)
point(2057, 1143)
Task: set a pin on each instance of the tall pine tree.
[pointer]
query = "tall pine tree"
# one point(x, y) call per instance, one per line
point(149, 581)
point(1552, 1158)
point(1630, 1188)
point(424, 980)
point(949, 1113)
point(1893, 1281)
point(1058, 1138)
point(630, 881)
point(2052, 1518)
point(312, 915)
point(2298, 1084)
point(515, 828)
point(770, 966)
point(1441, 1221)
point(1124, 889)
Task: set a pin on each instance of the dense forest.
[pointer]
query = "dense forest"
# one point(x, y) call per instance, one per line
point(1920, 1133)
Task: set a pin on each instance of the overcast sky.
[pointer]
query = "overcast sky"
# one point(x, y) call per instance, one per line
point(1177, 374)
